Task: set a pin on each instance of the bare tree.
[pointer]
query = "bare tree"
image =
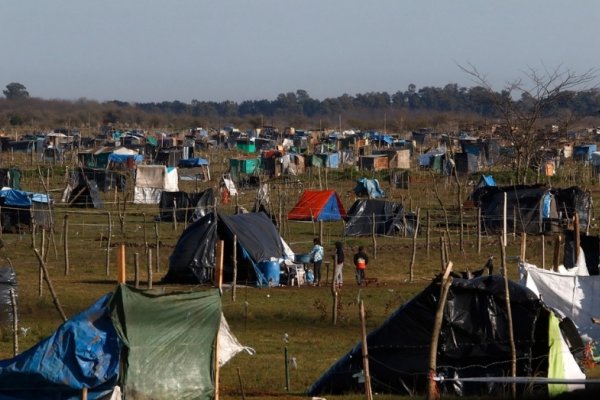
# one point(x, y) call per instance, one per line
point(522, 103)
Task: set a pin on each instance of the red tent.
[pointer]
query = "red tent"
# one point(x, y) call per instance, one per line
point(318, 205)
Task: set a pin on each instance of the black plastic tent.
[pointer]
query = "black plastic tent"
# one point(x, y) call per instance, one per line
point(193, 259)
point(379, 216)
point(186, 206)
point(473, 342)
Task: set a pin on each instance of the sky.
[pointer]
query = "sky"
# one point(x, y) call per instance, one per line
point(217, 50)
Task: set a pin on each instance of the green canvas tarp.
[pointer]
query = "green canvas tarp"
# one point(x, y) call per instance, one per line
point(171, 357)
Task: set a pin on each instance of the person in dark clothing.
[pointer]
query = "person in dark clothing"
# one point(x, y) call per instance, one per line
point(338, 276)
point(361, 260)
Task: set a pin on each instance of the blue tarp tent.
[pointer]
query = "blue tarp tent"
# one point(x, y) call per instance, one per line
point(83, 352)
point(193, 162)
point(122, 158)
point(486, 180)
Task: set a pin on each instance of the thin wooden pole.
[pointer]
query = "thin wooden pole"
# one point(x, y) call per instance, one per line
point(15, 315)
point(478, 230)
point(543, 252)
point(121, 270)
point(66, 242)
point(432, 391)
point(576, 236)
point(157, 234)
point(334, 292)
point(428, 237)
point(513, 350)
point(414, 248)
point(365, 352)
point(149, 267)
point(523, 246)
point(462, 228)
point(234, 283)
point(442, 252)
point(219, 262)
point(556, 260)
point(108, 244)
point(136, 263)
point(504, 221)
point(47, 278)
point(175, 215)
point(84, 393)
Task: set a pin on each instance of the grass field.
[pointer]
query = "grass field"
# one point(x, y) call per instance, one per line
point(259, 317)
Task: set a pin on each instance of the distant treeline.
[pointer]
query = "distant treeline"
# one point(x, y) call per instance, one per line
point(293, 108)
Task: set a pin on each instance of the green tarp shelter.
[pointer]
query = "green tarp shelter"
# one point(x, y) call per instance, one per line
point(171, 357)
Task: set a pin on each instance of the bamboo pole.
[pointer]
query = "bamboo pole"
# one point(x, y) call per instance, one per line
point(432, 390)
point(365, 352)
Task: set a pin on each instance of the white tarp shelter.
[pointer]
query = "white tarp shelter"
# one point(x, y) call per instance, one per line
point(152, 180)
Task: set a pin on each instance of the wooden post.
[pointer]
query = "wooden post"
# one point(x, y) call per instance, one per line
point(219, 264)
point(556, 260)
point(504, 217)
point(334, 292)
point(428, 238)
point(365, 352)
point(108, 245)
point(149, 268)
point(47, 278)
point(136, 263)
point(414, 248)
point(175, 215)
point(66, 242)
point(15, 315)
point(432, 391)
point(234, 283)
point(523, 246)
point(374, 239)
point(543, 252)
point(576, 236)
point(145, 234)
point(462, 228)
point(157, 234)
point(478, 230)
point(84, 393)
point(443, 252)
point(513, 350)
point(121, 272)
point(321, 233)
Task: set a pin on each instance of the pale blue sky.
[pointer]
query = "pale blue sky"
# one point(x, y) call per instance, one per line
point(150, 50)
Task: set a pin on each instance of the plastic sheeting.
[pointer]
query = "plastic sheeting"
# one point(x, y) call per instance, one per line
point(369, 187)
point(83, 352)
point(389, 218)
point(188, 206)
point(8, 283)
point(474, 341)
point(171, 357)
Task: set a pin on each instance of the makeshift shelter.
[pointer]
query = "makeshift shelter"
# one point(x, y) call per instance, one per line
point(95, 158)
point(318, 205)
point(466, 163)
point(532, 209)
point(194, 169)
point(185, 206)
point(168, 157)
point(400, 179)
point(258, 244)
point(380, 217)
point(105, 349)
point(124, 158)
point(368, 187)
point(473, 342)
point(8, 284)
point(17, 207)
point(82, 191)
point(325, 160)
point(10, 177)
point(151, 181)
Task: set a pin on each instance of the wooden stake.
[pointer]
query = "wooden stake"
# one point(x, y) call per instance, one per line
point(157, 234)
point(373, 238)
point(556, 260)
point(334, 292)
point(365, 352)
point(513, 350)
point(543, 252)
point(442, 252)
point(15, 315)
point(219, 264)
point(523, 246)
point(47, 278)
point(478, 230)
point(121, 270)
point(428, 238)
point(576, 236)
point(414, 248)
point(66, 243)
point(432, 390)
point(136, 263)
point(149, 268)
point(108, 244)
point(234, 283)
point(175, 215)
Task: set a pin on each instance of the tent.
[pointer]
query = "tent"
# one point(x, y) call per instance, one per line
point(124, 158)
point(390, 218)
point(17, 207)
point(82, 191)
point(186, 206)
point(318, 205)
point(151, 345)
point(473, 342)
point(258, 242)
point(151, 181)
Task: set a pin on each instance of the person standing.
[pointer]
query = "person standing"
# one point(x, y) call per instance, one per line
point(338, 276)
point(361, 260)
point(316, 255)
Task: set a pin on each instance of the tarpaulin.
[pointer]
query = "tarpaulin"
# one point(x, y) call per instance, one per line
point(318, 205)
